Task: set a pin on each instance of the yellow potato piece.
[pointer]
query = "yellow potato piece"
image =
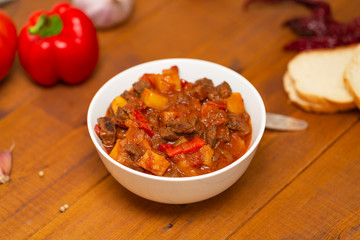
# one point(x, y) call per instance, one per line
point(154, 163)
point(118, 102)
point(235, 103)
point(154, 99)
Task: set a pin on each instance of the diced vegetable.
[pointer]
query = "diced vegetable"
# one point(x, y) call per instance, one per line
point(218, 104)
point(150, 77)
point(186, 147)
point(170, 71)
point(169, 80)
point(207, 153)
point(235, 103)
point(154, 99)
point(145, 144)
point(118, 153)
point(142, 122)
point(166, 83)
point(171, 152)
point(97, 129)
point(119, 101)
point(180, 141)
point(154, 163)
point(164, 146)
point(236, 146)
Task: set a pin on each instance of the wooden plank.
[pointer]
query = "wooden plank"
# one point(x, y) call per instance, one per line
point(321, 203)
point(281, 179)
point(280, 160)
point(71, 167)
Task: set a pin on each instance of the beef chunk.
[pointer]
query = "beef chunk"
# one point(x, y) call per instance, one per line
point(199, 92)
point(216, 135)
point(211, 115)
point(213, 95)
point(134, 151)
point(107, 131)
point(134, 103)
point(180, 125)
point(207, 83)
point(183, 128)
point(182, 98)
point(121, 116)
point(224, 90)
point(168, 134)
point(211, 135)
point(202, 88)
point(239, 123)
point(153, 117)
point(223, 134)
point(137, 168)
point(126, 95)
point(140, 85)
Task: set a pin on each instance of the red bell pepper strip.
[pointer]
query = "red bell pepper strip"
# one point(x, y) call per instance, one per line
point(60, 44)
point(186, 147)
point(97, 129)
point(142, 122)
point(8, 38)
point(183, 82)
point(218, 104)
point(164, 146)
point(150, 78)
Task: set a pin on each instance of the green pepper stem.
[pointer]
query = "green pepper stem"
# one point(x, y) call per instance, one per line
point(47, 26)
point(40, 23)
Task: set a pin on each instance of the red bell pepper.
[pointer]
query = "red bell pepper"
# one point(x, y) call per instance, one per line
point(142, 122)
point(8, 38)
point(97, 129)
point(218, 104)
point(60, 44)
point(164, 146)
point(186, 147)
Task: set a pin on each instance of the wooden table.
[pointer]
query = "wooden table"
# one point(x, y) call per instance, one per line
point(300, 185)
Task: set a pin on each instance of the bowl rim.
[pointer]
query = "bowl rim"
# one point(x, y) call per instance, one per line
point(249, 151)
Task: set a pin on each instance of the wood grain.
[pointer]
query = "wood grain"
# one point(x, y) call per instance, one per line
point(300, 185)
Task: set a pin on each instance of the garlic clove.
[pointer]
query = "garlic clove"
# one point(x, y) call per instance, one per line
point(105, 13)
point(5, 164)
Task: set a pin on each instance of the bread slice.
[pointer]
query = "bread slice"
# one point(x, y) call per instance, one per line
point(318, 76)
point(352, 76)
point(322, 107)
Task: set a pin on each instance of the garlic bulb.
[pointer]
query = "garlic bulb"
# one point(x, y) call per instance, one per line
point(5, 164)
point(105, 13)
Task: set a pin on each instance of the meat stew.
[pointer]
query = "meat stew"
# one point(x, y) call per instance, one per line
point(167, 126)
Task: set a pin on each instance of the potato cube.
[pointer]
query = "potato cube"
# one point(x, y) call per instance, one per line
point(118, 102)
point(118, 152)
point(235, 103)
point(154, 163)
point(207, 153)
point(167, 82)
point(154, 99)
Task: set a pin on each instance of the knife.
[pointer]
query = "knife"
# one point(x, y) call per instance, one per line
point(280, 122)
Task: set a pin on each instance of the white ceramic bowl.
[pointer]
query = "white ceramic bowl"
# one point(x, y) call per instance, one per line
point(186, 189)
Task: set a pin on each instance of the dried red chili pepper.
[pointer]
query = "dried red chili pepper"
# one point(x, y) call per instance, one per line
point(320, 30)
